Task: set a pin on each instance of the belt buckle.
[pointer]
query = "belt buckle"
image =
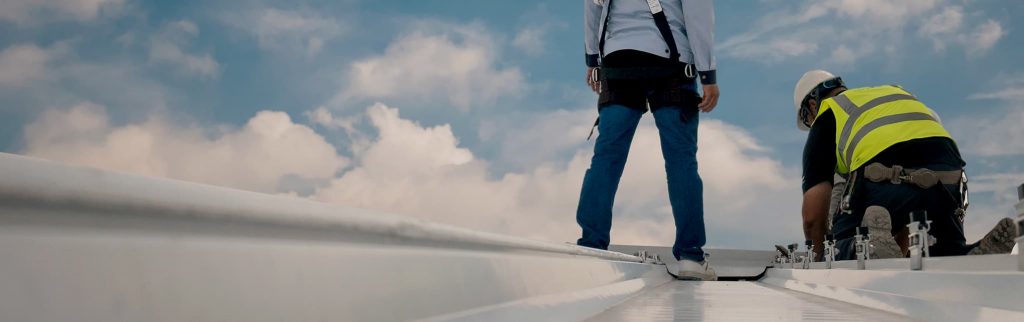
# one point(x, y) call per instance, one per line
point(897, 175)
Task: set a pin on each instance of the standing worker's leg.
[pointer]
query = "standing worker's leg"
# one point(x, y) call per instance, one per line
point(685, 188)
point(594, 213)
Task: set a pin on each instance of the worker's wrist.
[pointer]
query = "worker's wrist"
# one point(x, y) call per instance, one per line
point(707, 77)
point(593, 60)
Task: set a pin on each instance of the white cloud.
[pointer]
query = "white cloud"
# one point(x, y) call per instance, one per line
point(435, 62)
point(268, 152)
point(32, 12)
point(414, 170)
point(1009, 94)
point(530, 40)
point(850, 30)
point(775, 50)
point(947, 28)
point(942, 27)
point(302, 31)
point(323, 117)
point(844, 55)
point(168, 47)
point(22, 64)
point(984, 37)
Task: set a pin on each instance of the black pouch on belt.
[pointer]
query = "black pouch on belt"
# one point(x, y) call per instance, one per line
point(626, 92)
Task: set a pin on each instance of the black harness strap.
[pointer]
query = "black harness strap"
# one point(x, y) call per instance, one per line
point(666, 32)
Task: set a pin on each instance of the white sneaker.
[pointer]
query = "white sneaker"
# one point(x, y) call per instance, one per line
point(694, 271)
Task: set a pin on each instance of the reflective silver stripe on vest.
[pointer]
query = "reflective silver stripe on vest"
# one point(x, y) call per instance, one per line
point(880, 122)
point(855, 112)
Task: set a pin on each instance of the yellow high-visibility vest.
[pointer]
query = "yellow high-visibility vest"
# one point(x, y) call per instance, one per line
point(870, 120)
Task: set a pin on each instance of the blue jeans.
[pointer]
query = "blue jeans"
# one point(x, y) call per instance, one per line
point(685, 188)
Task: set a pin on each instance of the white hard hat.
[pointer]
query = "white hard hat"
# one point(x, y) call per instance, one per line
point(807, 83)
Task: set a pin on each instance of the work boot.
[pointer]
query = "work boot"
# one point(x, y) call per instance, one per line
point(879, 224)
point(694, 271)
point(999, 240)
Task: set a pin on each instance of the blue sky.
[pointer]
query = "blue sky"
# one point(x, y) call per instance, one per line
point(475, 113)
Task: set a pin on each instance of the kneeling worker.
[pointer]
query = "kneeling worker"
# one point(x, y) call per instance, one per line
point(897, 158)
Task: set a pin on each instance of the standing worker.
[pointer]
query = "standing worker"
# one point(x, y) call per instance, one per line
point(640, 54)
point(897, 158)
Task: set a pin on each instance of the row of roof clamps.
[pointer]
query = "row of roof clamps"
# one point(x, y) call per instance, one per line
point(789, 255)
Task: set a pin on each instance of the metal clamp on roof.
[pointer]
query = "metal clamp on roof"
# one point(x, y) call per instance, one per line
point(862, 247)
point(920, 240)
point(830, 250)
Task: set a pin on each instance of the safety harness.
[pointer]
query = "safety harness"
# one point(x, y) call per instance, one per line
point(674, 75)
point(856, 123)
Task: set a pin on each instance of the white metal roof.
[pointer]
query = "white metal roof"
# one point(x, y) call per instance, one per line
point(79, 244)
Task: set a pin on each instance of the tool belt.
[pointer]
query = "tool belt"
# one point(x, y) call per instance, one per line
point(923, 178)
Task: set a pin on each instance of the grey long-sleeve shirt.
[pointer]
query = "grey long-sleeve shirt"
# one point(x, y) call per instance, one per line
point(631, 26)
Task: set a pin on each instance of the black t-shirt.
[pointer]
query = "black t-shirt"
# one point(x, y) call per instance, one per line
point(937, 153)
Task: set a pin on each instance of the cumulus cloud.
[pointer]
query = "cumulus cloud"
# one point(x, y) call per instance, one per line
point(414, 170)
point(456, 65)
point(268, 154)
point(168, 47)
point(32, 12)
point(422, 171)
point(289, 30)
point(851, 29)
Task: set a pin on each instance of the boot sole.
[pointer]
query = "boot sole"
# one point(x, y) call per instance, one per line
point(999, 240)
point(879, 224)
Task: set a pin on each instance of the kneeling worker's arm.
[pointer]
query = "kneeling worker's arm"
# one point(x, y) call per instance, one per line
point(815, 214)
